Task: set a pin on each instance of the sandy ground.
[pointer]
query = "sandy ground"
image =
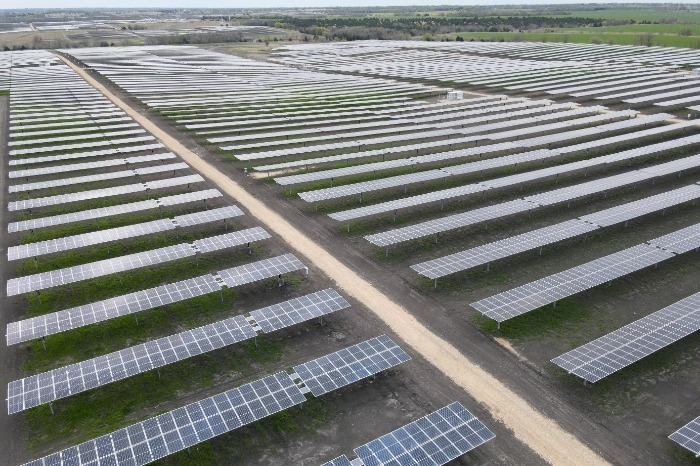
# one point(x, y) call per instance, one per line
point(541, 433)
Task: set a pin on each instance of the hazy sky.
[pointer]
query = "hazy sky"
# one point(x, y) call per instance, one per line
point(14, 4)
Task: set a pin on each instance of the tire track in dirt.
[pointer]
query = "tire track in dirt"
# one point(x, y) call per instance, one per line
point(540, 433)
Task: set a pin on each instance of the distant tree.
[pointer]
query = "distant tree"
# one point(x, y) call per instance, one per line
point(459, 39)
point(104, 43)
point(646, 40)
point(427, 37)
point(685, 32)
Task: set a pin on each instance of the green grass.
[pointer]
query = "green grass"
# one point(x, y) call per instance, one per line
point(638, 14)
point(581, 38)
point(4, 92)
point(544, 320)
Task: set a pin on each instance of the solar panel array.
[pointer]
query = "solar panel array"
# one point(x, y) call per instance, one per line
point(469, 258)
point(550, 289)
point(518, 179)
point(183, 427)
point(602, 218)
point(351, 364)
point(627, 345)
point(282, 94)
point(101, 212)
point(104, 267)
point(61, 199)
point(688, 436)
point(586, 71)
point(75, 378)
point(265, 268)
point(271, 318)
point(678, 242)
point(297, 310)
point(432, 440)
point(342, 460)
point(69, 319)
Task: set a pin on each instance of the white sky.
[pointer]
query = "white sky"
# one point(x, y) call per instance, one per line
point(17, 4)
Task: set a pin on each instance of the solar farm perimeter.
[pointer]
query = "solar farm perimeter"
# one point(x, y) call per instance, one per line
point(545, 225)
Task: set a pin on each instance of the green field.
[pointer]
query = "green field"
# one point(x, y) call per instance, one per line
point(576, 37)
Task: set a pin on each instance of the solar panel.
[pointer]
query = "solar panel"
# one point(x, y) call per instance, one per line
point(298, 310)
point(207, 216)
point(161, 168)
point(77, 137)
point(88, 165)
point(76, 317)
point(550, 289)
point(75, 197)
point(266, 268)
point(92, 373)
point(87, 239)
point(102, 212)
point(373, 185)
point(486, 253)
point(511, 180)
point(616, 350)
point(680, 241)
point(173, 182)
point(176, 199)
point(184, 427)
point(408, 202)
point(80, 155)
point(432, 440)
point(342, 460)
point(630, 210)
point(351, 364)
point(99, 212)
point(688, 436)
point(101, 268)
point(82, 145)
point(450, 222)
point(227, 240)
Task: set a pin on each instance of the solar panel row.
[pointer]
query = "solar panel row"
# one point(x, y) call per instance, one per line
point(181, 428)
point(75, 378)
point(104, 267)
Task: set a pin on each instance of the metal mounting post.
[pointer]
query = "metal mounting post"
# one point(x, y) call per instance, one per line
point(51, 407)
point(43, 342)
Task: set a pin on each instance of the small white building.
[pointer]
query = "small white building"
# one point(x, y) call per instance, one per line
point(455, 95)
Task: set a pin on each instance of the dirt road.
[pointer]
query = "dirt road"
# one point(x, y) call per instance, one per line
point(541, 433)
